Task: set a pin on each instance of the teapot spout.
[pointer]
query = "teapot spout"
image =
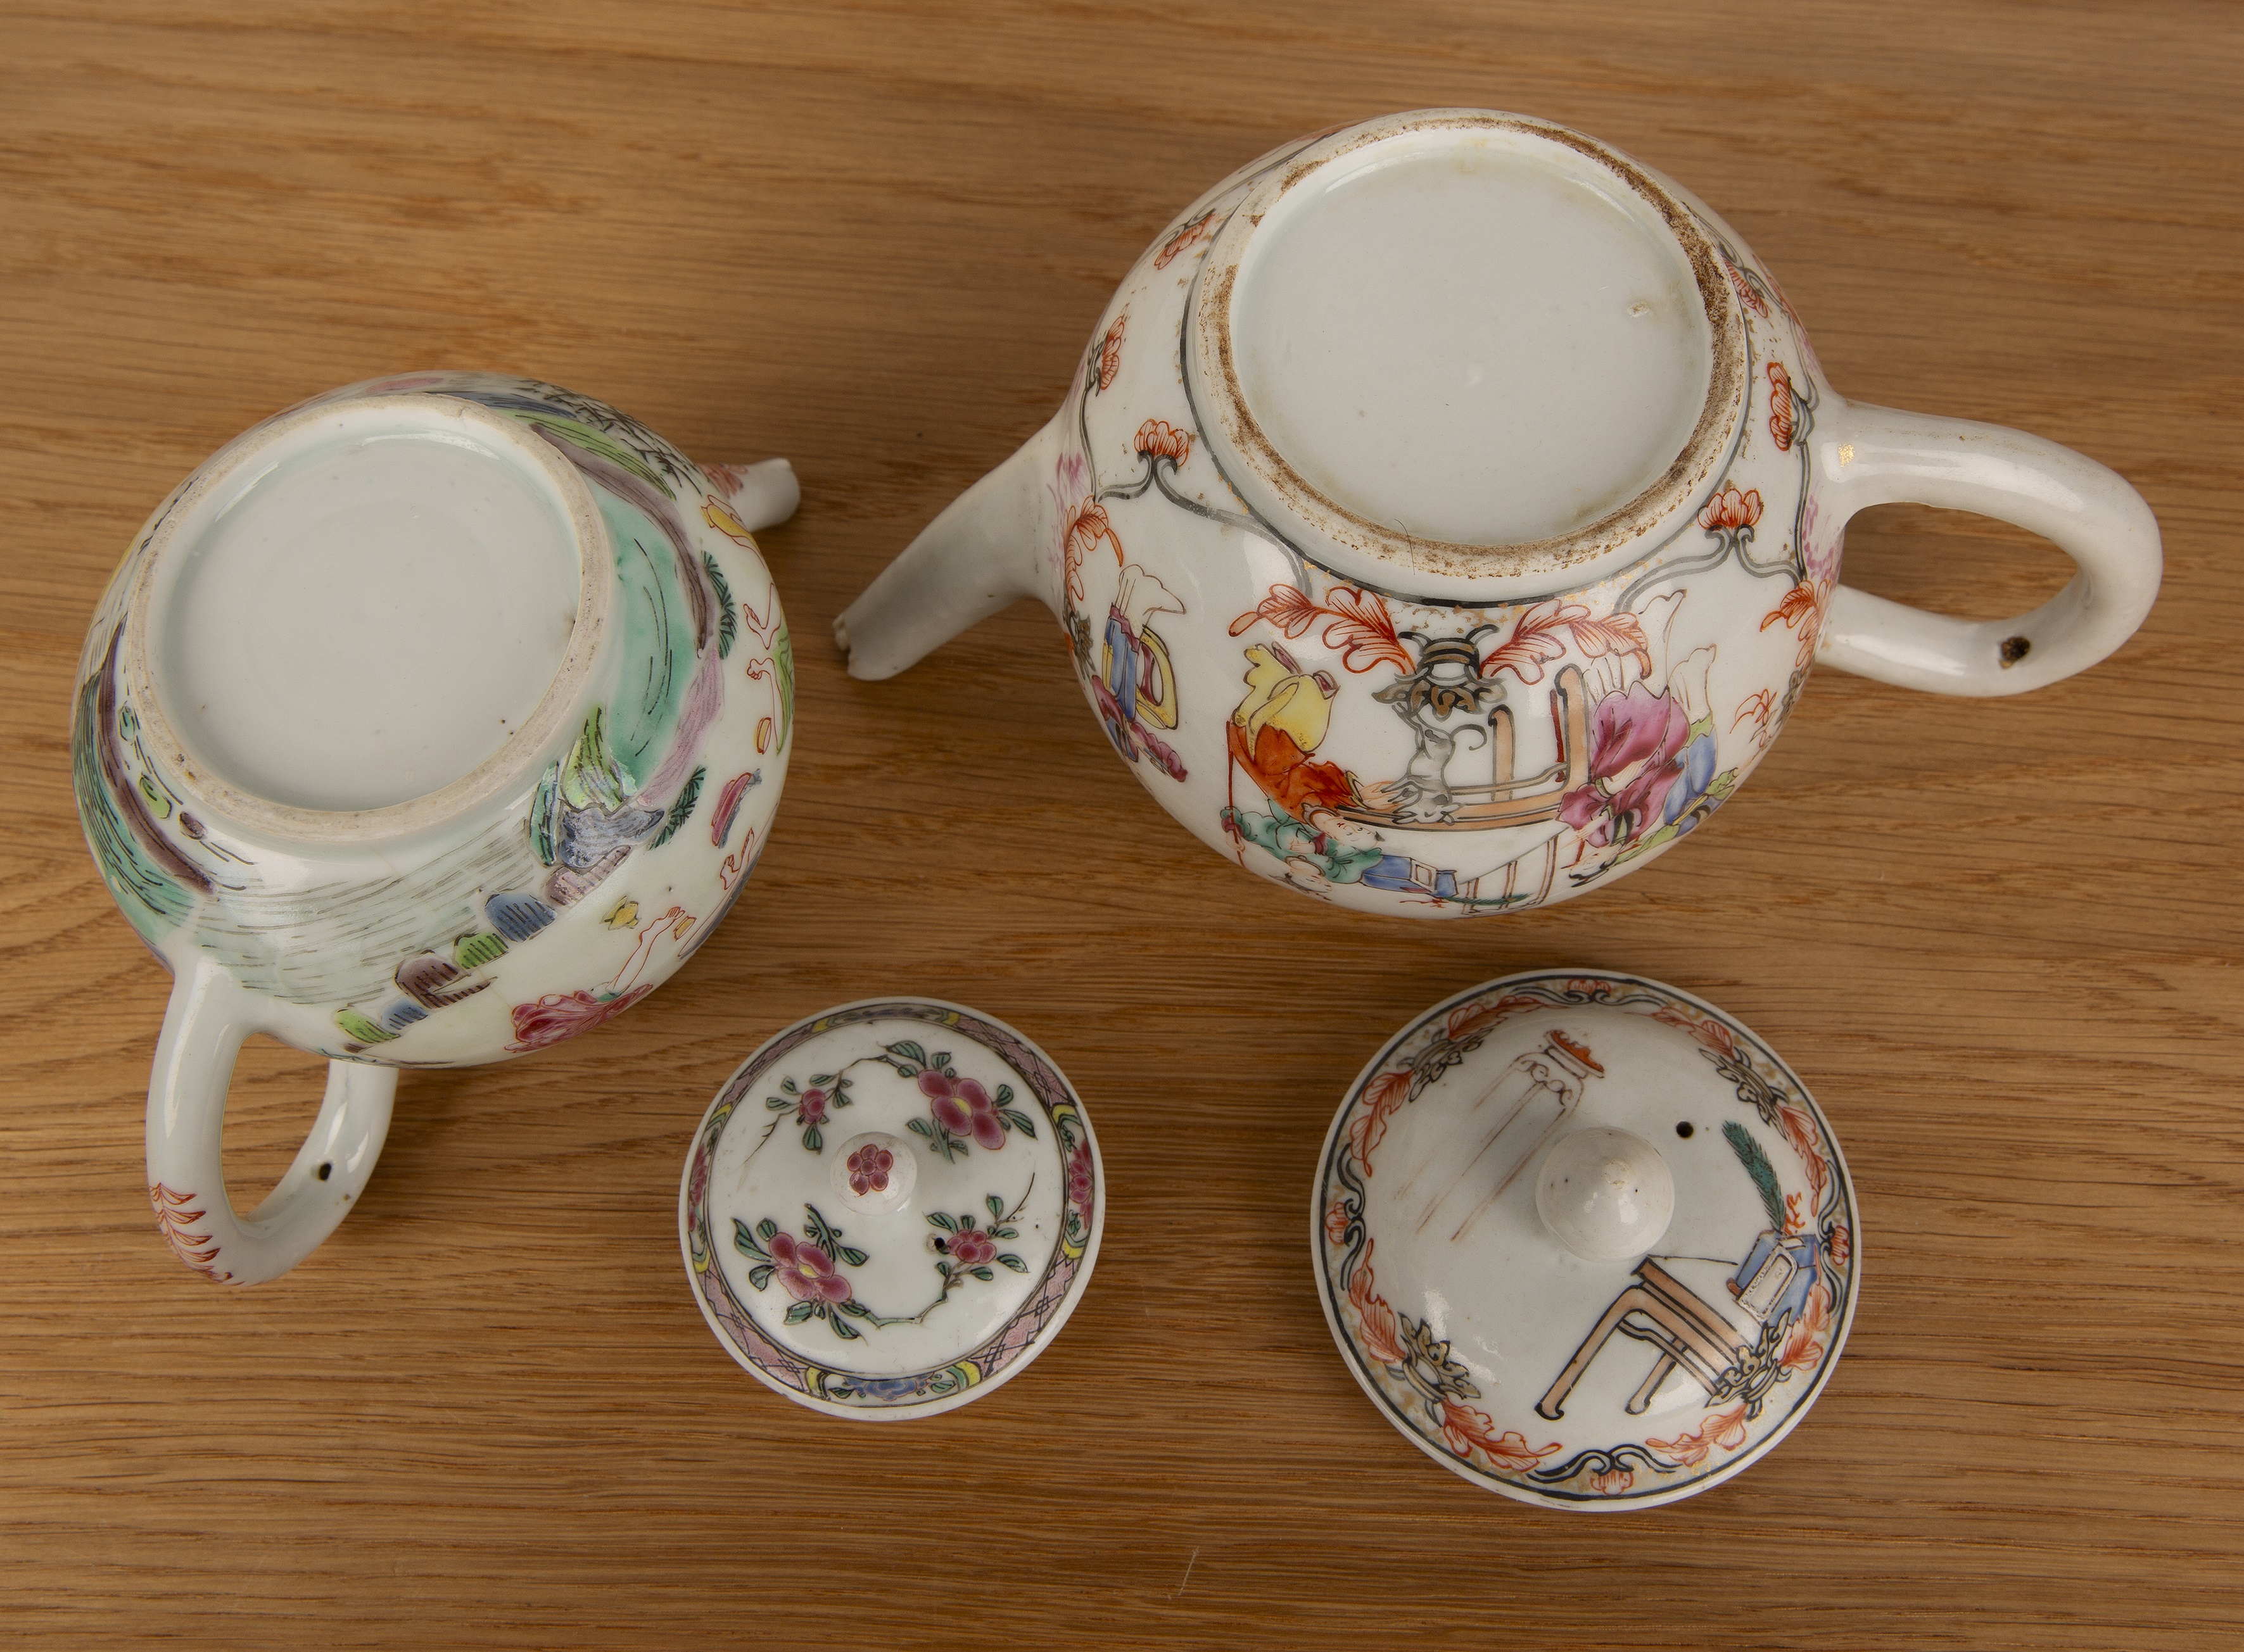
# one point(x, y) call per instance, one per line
point(759, 495)
point(982, 553)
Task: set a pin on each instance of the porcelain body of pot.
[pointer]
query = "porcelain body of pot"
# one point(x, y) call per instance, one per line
point(435, 720)
point(1447, 513)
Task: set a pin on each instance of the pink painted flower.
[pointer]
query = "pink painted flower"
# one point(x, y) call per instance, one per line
point(1636, 750)
point(559, 1016)
point(811, 1109)
point(807, 1271)
point(1079, 1179)
point(969, 1247)
point(868, 1170)
point(964, 1108)
point(1730, 509)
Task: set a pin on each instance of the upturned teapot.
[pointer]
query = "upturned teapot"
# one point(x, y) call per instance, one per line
point(1446, 514)
point(435, 720)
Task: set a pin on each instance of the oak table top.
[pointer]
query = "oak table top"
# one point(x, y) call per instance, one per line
point(1999, 940)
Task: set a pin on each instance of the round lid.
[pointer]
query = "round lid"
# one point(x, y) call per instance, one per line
point(1585, 1240)
point(891, 1208)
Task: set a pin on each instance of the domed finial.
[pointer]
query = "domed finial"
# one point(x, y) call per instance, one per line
point(1606, 1194)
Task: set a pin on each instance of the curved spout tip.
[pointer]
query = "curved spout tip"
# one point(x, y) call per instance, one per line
point(979, 556)
point(761, 495)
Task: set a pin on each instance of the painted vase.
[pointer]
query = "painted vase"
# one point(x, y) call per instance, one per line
point(436, 719)
point(1446, 514)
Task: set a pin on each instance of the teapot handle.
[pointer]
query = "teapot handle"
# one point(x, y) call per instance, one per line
point(209, 1014)
point(1872, 455)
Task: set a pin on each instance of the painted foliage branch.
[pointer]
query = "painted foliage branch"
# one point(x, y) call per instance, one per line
point(1357, 624)
point(1535, 641)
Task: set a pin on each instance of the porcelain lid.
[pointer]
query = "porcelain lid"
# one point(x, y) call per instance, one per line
point(1585, 1240)
point(891, 1208)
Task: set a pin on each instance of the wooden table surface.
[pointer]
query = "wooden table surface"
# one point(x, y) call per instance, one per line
point(1999, 940)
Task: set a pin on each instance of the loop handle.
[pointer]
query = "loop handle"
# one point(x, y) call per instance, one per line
point(209, 1014)
point(1870, 455)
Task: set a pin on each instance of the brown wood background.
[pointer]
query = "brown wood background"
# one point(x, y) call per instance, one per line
point(2000, 939)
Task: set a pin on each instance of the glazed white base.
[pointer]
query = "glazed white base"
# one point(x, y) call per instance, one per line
point(363, 611)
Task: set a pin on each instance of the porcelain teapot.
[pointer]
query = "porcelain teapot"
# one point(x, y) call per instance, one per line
point(434, 720)
point(1447, 512)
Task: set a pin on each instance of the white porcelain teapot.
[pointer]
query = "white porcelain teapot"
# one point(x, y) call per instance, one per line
point(1447, 513)
point(432, 721)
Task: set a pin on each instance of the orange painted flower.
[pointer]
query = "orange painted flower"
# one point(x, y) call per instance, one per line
point(1731, 511)
point(1781, 413)
point(1160, 440)
point(1612, 1482)
point(1465, 1430)
point(1798, 603)
point(1195, 230)
point(1087, 529)
point(1838, 1243)
point(1336, 1223)
point(1110, 352)
point(1748, 293)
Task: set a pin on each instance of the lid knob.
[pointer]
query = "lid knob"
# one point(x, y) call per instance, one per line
point(1606, 1194)
point(875, 1172)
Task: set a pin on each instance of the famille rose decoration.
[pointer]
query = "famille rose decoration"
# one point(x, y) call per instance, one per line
point(1446, 514)
point(434, 720)
point(891, 1208)
point(1585, 1240)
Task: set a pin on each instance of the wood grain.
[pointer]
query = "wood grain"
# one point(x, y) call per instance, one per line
point(2000, 941)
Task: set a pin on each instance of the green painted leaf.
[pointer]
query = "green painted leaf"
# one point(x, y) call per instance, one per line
point(777, 1104)
point(943, 1221)
point(1004, 1093)
point(1020, 1121)
point(914, 1053)
point(788, 1084)
point(854, 1256)
point(782, 658)
point(1005, 1233)
point(746, 1240)
point(766, 1228)
point(361, 1029)
point(822, 1078)
point(996, 1206)
point(800, 1311)
point(760, 1277)
point(1758, 1167)
point(591, 441)
point(728, 623)
point(844, 1330)
point(473, 951)
point(941, 1058)
point(856, 1309)
point(982, 1273)
point(1013, 1262)
point(919, 1126)
point(812, 1140)
point(682, 810)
